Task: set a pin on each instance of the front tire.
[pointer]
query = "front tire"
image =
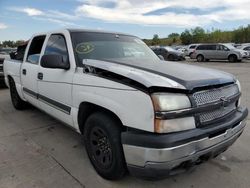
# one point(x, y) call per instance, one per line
point(102, 136)
point(232, 58)
point(171, 57)
point(17, 102)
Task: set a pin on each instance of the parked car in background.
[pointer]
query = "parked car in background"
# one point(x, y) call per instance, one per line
point(245, 47)
point(169, 53)
point(4, 54)
point(190, 49)
point(182, 49)
point(205, 52)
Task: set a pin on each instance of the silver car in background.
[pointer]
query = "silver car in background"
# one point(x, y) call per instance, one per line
point(218, 51)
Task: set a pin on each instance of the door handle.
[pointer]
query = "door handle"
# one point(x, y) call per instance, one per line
point(24, 71)
point(40, 76)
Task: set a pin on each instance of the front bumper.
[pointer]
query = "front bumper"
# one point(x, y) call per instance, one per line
point(157, 156)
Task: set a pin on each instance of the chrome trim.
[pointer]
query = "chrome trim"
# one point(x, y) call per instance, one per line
point(140, 156)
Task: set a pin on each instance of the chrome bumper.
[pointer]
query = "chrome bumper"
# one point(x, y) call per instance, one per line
point(170, 158)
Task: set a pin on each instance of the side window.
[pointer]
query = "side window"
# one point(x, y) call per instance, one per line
point(222, 48)
point(57, 45)
point(211, 47)
point(35, 49)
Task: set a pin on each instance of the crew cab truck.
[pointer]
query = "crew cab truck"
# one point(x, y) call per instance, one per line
point(135, 112)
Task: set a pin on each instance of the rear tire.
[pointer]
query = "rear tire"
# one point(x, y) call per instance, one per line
point(171, 57)
point(102, 136)
point(232, 58)
point(17, 102)
point(200, 58)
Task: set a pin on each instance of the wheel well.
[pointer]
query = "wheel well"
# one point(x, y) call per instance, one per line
point(86, 109)
point(10, 78)
point(200, 55)
point(233, 55)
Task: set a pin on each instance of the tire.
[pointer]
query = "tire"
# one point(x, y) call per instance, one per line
point(102, 137)
point(232, 58)
point(171, 57)
point(200, 58)
point(17, 102)
point(190, 54)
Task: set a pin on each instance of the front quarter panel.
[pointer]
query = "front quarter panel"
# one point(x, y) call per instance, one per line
point(133, 107)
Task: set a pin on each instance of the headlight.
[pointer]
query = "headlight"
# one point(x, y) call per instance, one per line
point(169, 101)
point(174, 125)
point(239, 86)
point(164, 102)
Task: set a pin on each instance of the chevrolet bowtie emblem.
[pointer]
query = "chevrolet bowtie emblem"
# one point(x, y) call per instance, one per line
point(224, 101)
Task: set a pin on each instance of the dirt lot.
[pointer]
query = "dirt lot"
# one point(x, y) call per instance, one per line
point(38, 151)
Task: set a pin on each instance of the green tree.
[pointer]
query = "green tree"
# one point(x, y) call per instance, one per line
point(173, 35)
point(155, 40)
point(198, 35)
point(186, 37)
point(8, 43)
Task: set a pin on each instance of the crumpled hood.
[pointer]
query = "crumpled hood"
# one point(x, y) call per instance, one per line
point(163, 73)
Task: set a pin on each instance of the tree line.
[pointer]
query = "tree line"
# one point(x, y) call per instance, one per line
point(11, 44)
point(199, 35)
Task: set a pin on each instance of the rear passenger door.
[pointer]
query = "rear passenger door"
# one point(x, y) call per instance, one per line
point(30, 68)
point(210, 50)
point(55, 85)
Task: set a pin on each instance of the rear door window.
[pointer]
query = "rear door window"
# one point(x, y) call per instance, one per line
point(35, 49)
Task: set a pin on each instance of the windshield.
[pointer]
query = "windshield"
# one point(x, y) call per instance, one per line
point(230, 46)
point(106, 46)
point(168, 48)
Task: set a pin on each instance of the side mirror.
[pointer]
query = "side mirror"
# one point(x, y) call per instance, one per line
point(161, 57)
point(54, 61)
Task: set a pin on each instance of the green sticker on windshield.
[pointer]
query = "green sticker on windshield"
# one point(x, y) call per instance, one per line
point(84, 48)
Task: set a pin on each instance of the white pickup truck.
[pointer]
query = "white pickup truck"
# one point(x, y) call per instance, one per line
point(138, 113)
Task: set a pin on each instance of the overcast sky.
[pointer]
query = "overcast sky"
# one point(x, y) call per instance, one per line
point(19, 19)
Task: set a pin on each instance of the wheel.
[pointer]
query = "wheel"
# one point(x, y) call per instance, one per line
point(200, 58)
point(17, 102)
point(102, 136)
point(171, 57)
point(232, 58)
point(190, 54)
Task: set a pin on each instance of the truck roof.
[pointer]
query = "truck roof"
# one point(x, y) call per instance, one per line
point(81, 30)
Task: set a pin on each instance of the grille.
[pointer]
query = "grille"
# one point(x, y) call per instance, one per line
point(213, 95)
point(215, 114)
